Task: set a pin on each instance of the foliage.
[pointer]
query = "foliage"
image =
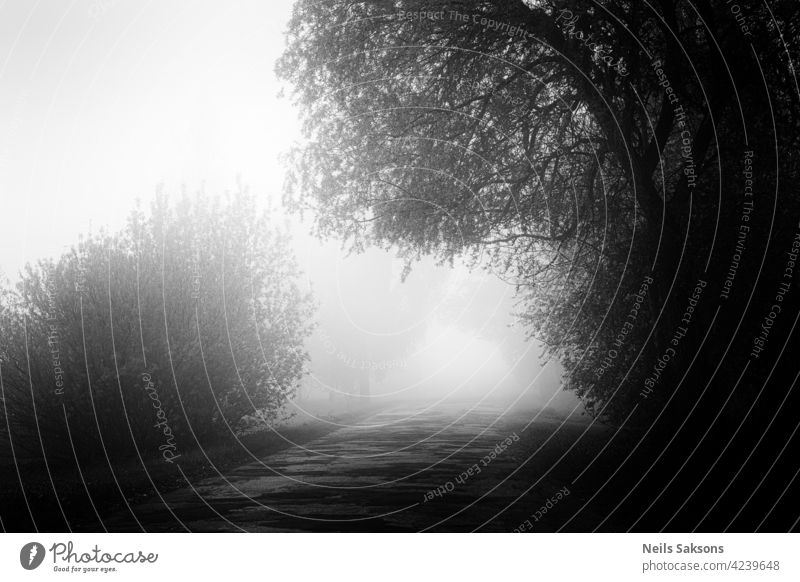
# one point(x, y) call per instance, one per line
point(578, 147)
point(164, 334)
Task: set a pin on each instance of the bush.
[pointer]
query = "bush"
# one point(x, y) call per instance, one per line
point(159, 337)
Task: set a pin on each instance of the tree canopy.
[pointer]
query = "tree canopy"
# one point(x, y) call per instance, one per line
point(580, 147)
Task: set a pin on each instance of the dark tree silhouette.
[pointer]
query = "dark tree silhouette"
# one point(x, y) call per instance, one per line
point(591, 151)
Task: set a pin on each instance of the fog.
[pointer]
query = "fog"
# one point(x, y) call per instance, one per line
point(440, 333)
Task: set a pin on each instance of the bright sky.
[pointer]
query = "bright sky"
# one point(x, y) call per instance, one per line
point(100, 100)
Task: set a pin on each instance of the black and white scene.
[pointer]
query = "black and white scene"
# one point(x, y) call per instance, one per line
point(521, 266)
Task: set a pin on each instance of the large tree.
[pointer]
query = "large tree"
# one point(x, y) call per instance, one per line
point(581, 147)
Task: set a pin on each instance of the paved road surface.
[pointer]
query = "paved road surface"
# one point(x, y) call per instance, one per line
point(378, 476)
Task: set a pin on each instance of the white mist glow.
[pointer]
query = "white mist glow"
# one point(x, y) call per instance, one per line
point(102, 101)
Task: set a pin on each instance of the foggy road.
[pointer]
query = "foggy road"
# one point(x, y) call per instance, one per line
point(409, 467)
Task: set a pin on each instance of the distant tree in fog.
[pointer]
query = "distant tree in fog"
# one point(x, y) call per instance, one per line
point(369, 320)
